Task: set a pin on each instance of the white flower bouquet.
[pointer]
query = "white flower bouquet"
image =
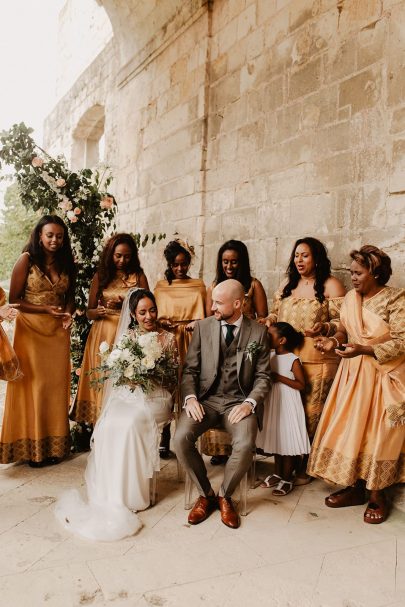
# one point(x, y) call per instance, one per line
point(137, 360)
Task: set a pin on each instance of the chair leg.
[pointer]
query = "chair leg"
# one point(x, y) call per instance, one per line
point(243, 489)
point(153, 487)
point(179, 471)
point(188, 492)
point(253, 473)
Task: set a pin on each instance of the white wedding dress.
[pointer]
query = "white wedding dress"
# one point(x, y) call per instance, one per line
point(124, 455)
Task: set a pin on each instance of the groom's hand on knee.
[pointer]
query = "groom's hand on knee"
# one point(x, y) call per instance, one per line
point(194, 409)
point(239, 412)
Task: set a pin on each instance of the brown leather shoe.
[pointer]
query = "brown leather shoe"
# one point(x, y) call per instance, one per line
point(229, 516)
point(202, 509)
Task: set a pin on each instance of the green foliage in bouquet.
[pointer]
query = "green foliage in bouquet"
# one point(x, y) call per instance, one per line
point(138, 360)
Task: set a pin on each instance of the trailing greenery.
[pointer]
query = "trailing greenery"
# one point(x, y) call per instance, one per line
point(16, 225)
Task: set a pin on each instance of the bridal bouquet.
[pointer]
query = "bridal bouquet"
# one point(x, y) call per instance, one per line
point(137, 360)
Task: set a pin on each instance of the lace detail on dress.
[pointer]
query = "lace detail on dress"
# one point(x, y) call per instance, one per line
point(389, 304)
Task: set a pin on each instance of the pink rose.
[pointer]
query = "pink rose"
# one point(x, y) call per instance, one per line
point(37, 161)
point(77, 211)
point(78, 372)
point(60, 183)
point(74, 219)
point(107, 202)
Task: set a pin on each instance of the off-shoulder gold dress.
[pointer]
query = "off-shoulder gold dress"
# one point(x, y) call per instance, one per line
point(361, 434)
point(181, 302)
point(35, 423)
point(302, 313)
point(87, 405)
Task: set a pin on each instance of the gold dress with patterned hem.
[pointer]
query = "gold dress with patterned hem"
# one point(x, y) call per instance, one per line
point(302, 313)
point(87, 406)
point(35, 422)
point(361, 434)
point(181, 302)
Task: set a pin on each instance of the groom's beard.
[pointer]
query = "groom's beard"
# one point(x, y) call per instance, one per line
point(222, 316)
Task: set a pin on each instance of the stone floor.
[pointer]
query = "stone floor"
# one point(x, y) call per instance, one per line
point(289, 552)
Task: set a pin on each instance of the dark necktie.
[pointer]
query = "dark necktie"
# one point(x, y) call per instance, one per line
point(229, 334)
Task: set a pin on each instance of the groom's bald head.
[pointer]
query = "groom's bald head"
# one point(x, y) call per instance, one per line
point(227, 300)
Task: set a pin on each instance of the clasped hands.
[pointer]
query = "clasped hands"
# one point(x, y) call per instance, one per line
point(326, 344)
point(9, 311)
point(105, 307)
point(195, 410)
point(168, 324)
point(58, 312)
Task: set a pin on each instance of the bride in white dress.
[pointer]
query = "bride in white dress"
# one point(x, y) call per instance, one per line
point(124, 446)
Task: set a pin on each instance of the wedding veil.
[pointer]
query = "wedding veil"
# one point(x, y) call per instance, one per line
point(123, 325)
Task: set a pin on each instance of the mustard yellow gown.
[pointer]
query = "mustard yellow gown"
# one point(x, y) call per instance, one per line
point(361, 434)
point(88, 401)
point(35, 423)
point(9, 365)
point(302, 313)
point(181, 302)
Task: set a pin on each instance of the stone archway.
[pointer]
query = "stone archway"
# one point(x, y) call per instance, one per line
point(87, 136)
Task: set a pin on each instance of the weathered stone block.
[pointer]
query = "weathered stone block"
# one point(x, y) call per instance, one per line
point(225, 92)
point(341, 61)
point(255, 44)
point(362, 91)
point(237, 55)
point(303, 210)
point(357, 14)
point(219, 67)
point(288, 121)
point(397, 177)
point(371, 44)
point(246, 21)
point(253, 191)
point(228, 36)
point(371, 164)
point(336, 171)
point(305, 80)
point(265, 10)
point(277, 29)
point(398, 121)
point(334, 138)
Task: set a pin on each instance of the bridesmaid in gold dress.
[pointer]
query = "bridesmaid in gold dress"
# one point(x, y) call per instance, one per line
point(360, 441)
point(180, 300)
point(233, 262)
point(35, 424)
point(310, 301)
point(119, 270)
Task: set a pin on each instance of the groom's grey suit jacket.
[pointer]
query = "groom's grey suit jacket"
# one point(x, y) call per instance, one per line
point(202, 362)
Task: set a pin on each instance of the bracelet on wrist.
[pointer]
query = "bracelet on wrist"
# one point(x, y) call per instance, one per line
point(335, 339)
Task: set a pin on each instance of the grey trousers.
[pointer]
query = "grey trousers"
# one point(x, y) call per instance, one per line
point(243, 446)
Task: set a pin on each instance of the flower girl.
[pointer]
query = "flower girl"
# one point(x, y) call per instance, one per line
point(284, 432)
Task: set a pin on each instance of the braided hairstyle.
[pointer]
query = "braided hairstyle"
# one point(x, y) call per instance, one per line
point(172, 249)
point(293, 338)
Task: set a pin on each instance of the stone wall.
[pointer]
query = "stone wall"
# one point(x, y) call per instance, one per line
point(263, 120)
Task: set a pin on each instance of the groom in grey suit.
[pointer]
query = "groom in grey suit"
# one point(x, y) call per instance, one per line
point(226, 377)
